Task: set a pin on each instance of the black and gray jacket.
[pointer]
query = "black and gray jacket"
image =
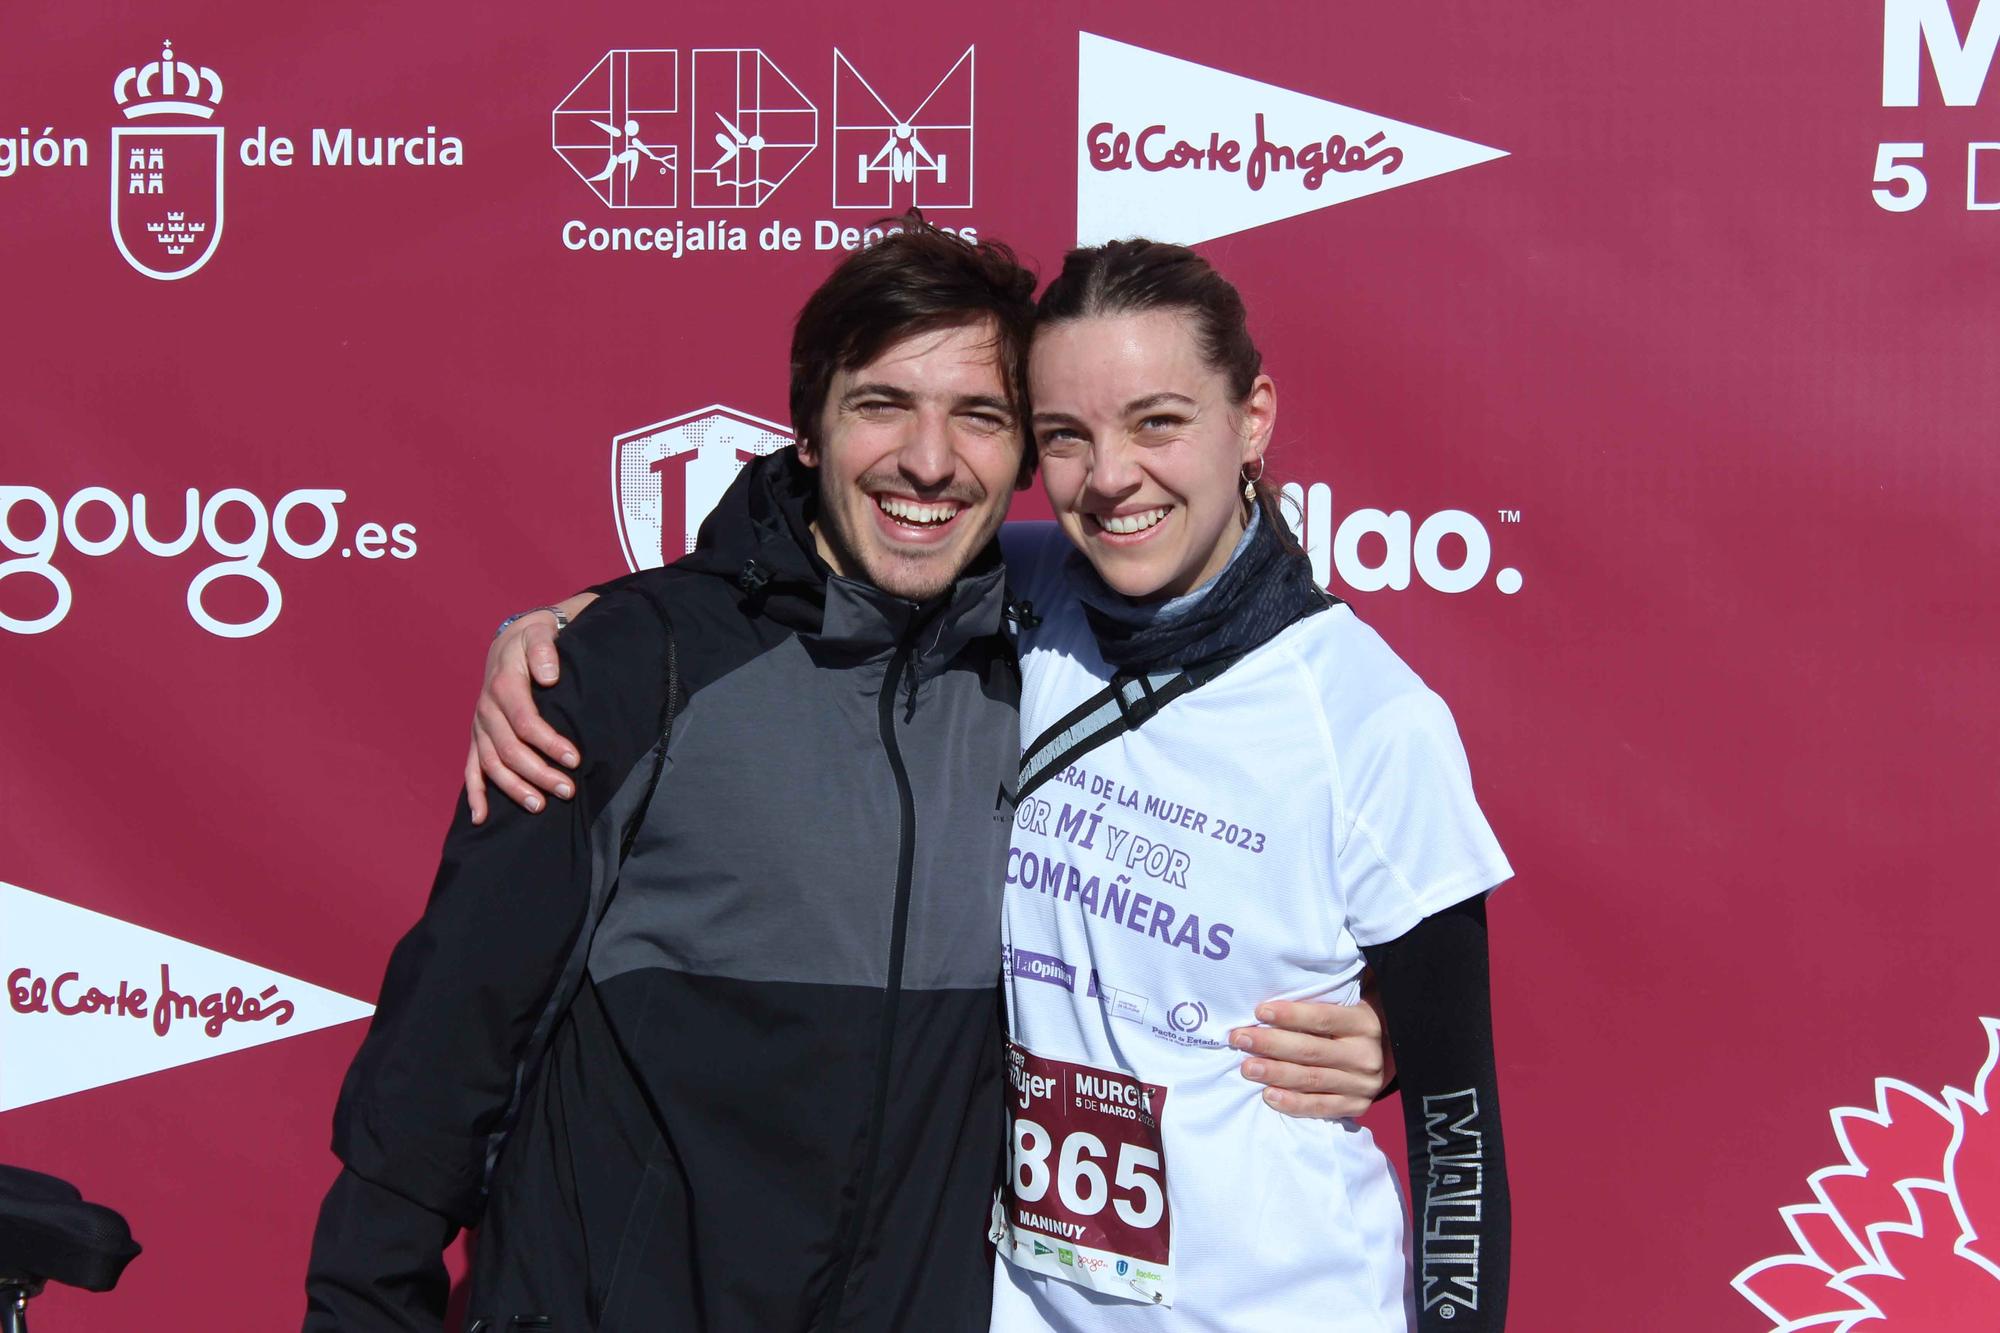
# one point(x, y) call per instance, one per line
point(749, 1080)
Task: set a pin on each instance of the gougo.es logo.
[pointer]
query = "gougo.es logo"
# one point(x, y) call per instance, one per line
point(234, 524)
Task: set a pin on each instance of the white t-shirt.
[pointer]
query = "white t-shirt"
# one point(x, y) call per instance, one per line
point(1241, 846)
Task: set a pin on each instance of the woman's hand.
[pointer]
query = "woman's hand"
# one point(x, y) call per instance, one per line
point(1318, 1061)
point(507, 731)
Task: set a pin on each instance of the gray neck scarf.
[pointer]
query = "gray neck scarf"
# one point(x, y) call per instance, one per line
point(1265, 586)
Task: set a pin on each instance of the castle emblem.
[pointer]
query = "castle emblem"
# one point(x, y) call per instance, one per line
point(166, 175)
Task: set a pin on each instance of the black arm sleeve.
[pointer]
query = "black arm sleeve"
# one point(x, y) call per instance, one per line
point(471, 993)
point(1434, 987)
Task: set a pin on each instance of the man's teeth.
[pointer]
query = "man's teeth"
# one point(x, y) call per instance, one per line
point(909, 511)
point(1127, 524)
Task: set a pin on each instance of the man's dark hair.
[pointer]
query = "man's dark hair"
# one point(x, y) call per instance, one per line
point(915, 279)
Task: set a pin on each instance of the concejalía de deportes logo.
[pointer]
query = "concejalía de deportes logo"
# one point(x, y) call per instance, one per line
point(722, 130)
point(235, 525)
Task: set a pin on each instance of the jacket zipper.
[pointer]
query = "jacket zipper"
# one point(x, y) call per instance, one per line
point(906, 852)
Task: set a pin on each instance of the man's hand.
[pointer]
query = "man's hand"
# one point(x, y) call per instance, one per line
point(506, 728)
point(1319, 1061)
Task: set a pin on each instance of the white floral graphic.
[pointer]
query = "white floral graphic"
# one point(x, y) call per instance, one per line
point(1904, 1235)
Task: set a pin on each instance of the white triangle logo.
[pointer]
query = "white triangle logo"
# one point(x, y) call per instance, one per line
point(92, 1000)
point(1180, 152)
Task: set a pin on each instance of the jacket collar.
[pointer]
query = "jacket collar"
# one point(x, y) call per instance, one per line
point(862, 617)
point(760, 537)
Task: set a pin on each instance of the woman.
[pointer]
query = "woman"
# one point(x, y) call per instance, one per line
point(1302, 810)
point(1289, 805)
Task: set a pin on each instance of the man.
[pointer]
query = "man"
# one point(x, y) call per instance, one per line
point(729, 1058)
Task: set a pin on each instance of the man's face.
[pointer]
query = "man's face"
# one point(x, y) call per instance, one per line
point(918, 454)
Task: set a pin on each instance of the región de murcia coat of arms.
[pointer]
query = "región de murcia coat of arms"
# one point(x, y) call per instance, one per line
point(166, 175)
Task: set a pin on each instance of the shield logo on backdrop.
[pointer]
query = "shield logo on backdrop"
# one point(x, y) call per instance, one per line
point(166, 197)
point(166, 179)
point(667, 476)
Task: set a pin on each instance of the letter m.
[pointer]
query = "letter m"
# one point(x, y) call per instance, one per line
point(1458, 1112)
point(1961, 66)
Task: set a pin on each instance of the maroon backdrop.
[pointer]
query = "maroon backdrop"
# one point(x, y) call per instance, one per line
point(1716, 398)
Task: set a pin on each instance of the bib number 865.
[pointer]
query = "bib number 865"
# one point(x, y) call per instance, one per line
point(1134, 1191)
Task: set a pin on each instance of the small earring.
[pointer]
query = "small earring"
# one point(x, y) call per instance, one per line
point(1250, 481)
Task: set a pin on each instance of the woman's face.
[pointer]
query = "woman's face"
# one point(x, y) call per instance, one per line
point(1141, 448)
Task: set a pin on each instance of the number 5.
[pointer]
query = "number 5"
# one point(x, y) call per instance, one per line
point(1907, 174)
point(1131, 1158)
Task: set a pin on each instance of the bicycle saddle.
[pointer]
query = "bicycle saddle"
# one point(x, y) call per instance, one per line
point(49, 1234)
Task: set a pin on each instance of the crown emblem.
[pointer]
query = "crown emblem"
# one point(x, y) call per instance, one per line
point(168, 87)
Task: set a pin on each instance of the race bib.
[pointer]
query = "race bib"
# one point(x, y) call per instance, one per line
point(1086, 1193)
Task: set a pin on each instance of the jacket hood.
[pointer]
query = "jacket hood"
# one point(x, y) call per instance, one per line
point(759, 536)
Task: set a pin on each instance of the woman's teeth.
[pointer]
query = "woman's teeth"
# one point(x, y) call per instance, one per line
point(1127, 524)
point(909, 511)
